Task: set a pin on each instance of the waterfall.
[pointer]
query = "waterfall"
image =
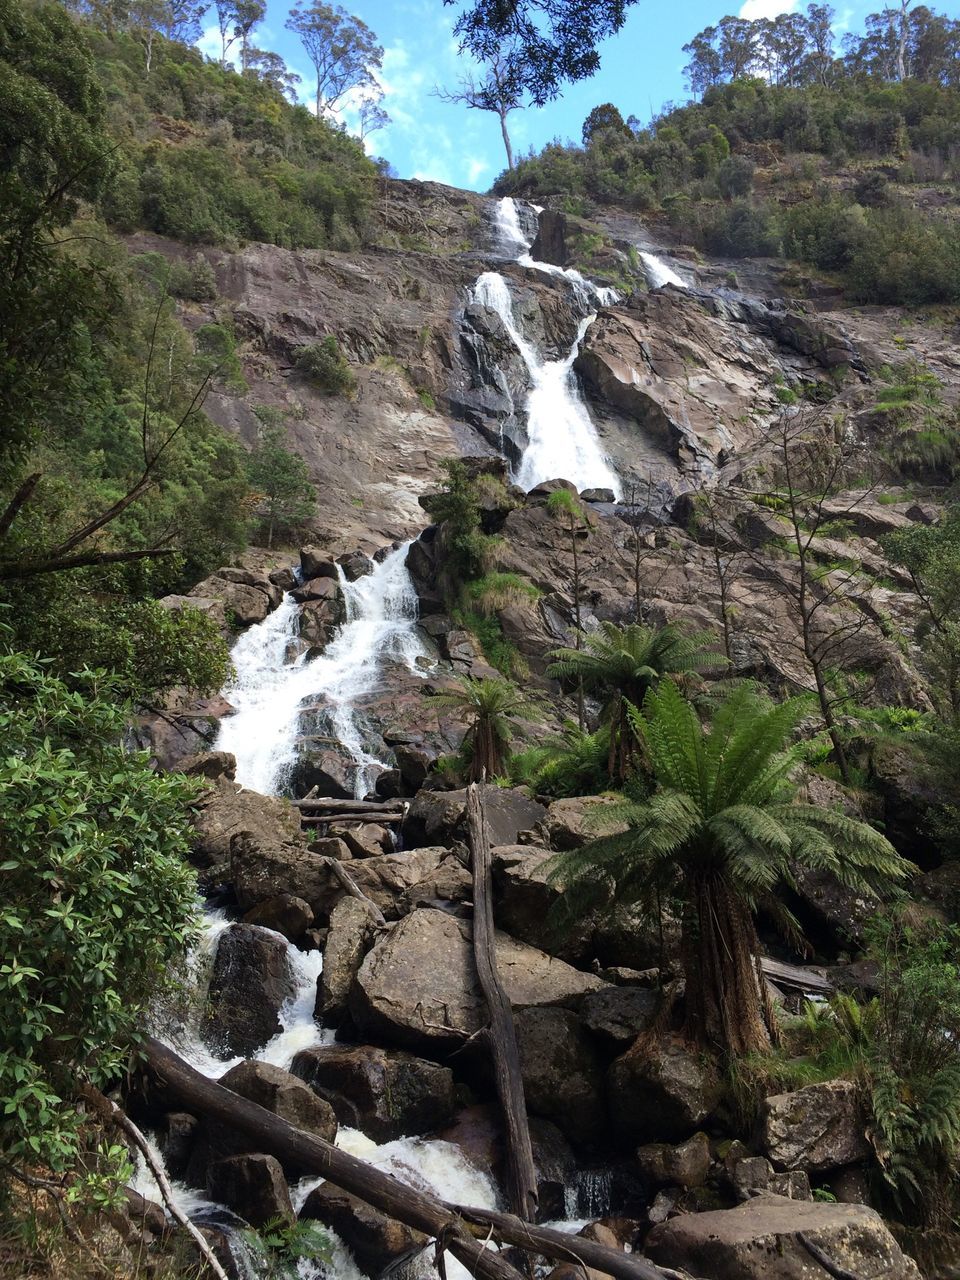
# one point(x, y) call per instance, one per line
point(561, 438)
point(270, 687)
point(658, 273)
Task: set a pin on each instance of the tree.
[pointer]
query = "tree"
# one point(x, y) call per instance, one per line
point(722, 830)
point(492, 708)
point(225, 21)
point(492, 91)
point(342, 49)
point(622, 663)
point(283, 479)
point(247, 14)
point(371, 115)
point(272, 69)
point(601, 118)
point(98, 901)
point(549, 41)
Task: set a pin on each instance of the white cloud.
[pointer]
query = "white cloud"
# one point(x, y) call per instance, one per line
point(754, 9)
point(475, 169)
point(209, 45)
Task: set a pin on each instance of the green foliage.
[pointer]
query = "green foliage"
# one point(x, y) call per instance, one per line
point(457, 507)
point(193, 281)
point(722, 829)
point(500, 590)
point(324, 366)
point(98, 901)
point(281, 1246)
point(574, 764)
point(282, 480)
point(491, 708)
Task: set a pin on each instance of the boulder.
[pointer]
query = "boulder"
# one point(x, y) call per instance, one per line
point(619, 1014)
point(385, 1093)
point(253, 1186)
point(331, 770)
point(364, 839)
point(284, 914)
point(686, 1165)
point(210, 764)
point(573, 821)
point(660, 1092)
point(550, 244)
point(523, 897)
point(352, 926)
point(439, 817)
point(223, 811)
point(414, 765)
point(562, 1073)
point(417, 987)
point(751, 1174)
point(597, 495)
point(355, 565)
point(446, 888)
point(386, 879)
point(316, 589)
point(317, 563)
point(374, 1239)
point(832, 913)
point(760, 1239)
point(175, 1137)
point(265, 869)
point(284, 1095)
point(285, 578)
point(249, 983)
point(817, 1128)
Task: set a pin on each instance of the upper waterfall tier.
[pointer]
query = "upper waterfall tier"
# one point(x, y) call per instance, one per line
point(271, 686)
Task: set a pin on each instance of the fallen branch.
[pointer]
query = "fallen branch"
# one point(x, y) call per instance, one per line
point(521, 1173)
point(117, 1116)
point(350, 806)
point(831, 1267)
point(350, 886)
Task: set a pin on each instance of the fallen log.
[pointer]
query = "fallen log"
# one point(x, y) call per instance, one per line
point(316, 819)
point(350, 886)
point(350, 806)
point(502, 1036)
point(796, 977)
point(459, 1230)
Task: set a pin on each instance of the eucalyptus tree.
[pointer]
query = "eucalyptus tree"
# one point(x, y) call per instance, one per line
point(342, 49)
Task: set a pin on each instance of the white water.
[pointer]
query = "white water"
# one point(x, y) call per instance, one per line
point(270, 688)
point(562, 441)
point(658, 273)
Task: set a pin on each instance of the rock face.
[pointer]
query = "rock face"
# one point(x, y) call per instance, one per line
point(817, 1128)
point(562, 1072)
point(759, 1240)
point(250, 981)
point(253, 1186)
point(417, 987)
point(660, 1092)
point(387, 1094)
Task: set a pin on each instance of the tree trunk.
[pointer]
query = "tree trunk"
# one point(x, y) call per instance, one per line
point(723, 1003)
point(522, 1176)
point(506, 138)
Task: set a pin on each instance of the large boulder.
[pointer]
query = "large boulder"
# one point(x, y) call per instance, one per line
point(618, 1015)
point(265, 868)
point(374, 1239)
point(417, 987)
point(249, 983)
point(660, 1092)
point(385, 1093)
point(573, 821)
point(685, 1165)
point(253, 1186)
point(562, 1073)
point(440, 817)
point(386, 879)
point(761, 1239)
point(352, 925)
point(524, 896)
point(283, 914)
point(223, 811)
point(816, 1128)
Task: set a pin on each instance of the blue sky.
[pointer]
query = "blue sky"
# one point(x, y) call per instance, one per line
point(641, 69)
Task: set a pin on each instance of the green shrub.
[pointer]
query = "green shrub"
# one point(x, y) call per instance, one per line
point(325, 368)
point(193, 281)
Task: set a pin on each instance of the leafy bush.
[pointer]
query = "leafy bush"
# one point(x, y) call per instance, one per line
point(98, 901)
point(193, 281)
point(323, 365)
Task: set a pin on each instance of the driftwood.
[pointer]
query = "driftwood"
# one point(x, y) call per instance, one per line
point(458, 1230)
point(383, 816)
point(349, 806)
point(796, 977)
point(521, 1174)
point(350, 886)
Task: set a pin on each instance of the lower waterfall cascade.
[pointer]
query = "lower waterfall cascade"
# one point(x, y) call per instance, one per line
point(270, 687)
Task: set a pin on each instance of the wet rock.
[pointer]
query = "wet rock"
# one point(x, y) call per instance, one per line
point(439, 817)
point(619, 1014)
point(249, 983)
point(418, 985)
point(686, 1165)
point(284, 1095)
point(478, 1131)
point(571, 822)
point(374, 1239)
point(330, 770)
point(284, 914)
point(660, 1092)
point(550, 244)
point(816, 1128)
point(352, 926)
point(556, 1168)
point(253, 1186)
point(355, 565)
point(284, 578)
point(386, 1093)
point(317, 563)
point(562, 1073)
point(176, 1133)
point(316, 589)
point(264, 869)
point(316, 624)
point(747, 1242)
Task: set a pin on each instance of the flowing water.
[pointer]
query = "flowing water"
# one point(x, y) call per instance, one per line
point(271, 686)
point(658, 273)
point(561, 440)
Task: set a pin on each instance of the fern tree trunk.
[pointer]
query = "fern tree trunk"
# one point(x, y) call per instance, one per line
point(487, 762)
point(724, 1011)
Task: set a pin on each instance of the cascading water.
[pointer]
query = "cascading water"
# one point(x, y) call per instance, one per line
point(658, 273)
point(270, 687)
point(561, 438)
